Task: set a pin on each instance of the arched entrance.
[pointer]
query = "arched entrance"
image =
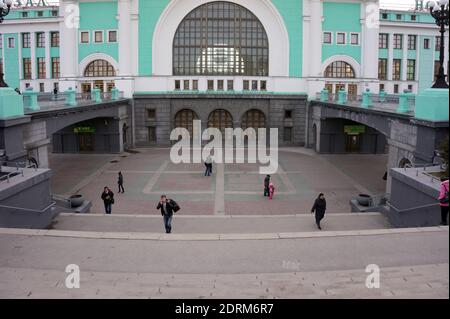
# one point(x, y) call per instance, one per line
point(341, 70)
point(253, 119)
point(220, 119)
point(185, 119)
point(99, 70)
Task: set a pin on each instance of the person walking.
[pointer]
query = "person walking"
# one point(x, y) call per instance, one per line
point(208, 166)
point(444, 202)
point(271, 190)
point(320, 207)
point(266, 185)
point(108, 200)
point(166, 206)
point(120, 183)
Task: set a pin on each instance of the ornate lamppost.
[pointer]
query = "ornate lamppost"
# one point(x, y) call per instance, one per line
point(5, 7)
point(440, 12)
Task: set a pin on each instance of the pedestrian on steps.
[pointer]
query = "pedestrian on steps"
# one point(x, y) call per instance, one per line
point(444, 202)
point(167, 207)
point(108, 200)
point(120, 183)
point(271, 190)
point(320, 207)
point(266, 186)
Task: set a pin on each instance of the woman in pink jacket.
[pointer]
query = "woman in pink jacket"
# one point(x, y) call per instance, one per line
point(443, 199)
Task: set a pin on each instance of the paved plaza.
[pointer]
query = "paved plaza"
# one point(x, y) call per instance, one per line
point(234, 189)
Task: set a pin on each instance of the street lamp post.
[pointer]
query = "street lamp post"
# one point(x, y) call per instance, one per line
point(5, 7)
point(440, 12)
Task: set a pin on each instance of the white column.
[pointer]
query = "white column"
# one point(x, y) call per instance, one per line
point(135, 37)
point(48, 61)
point(390, 56)
point(306, 36)
point(405, 61)
point(125, 84)
point(369, 42)
point(69, 43)
point(315, 37)
point(33, 57)
point(20, 45)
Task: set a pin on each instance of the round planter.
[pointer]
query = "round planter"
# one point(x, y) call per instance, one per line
point(76, 201)
point(364, 200)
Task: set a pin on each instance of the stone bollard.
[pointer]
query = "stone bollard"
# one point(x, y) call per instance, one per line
point(71, 98)
point(324, 95)
point(403, 106)
point(114, 94)
point(96, 96)
point(382, 96)
point(342, 97)
point(30, 100)
point(367, 99)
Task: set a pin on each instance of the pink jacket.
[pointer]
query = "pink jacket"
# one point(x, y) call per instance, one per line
point(444, 188)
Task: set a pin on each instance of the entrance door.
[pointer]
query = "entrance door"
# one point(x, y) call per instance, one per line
point(86, 87)
point(353, 143)
point(339, 87)
point(99, 85)
point(86, 142)
point(352, 92)
point(329, 88)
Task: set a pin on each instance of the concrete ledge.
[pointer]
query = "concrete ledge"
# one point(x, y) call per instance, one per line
point(215, 237)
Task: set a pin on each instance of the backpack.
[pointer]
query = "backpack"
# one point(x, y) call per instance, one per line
point(445, 199)
point(175, 207)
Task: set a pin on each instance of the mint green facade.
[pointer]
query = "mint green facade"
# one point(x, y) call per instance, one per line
point(342, 17)
point(426, 70)
point(11, 62)
point(432, 105)
point(98, 16)
point(290, 10)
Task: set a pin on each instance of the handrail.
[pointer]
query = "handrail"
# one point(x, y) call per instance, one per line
point(30, 210)
point(10, 175)
point(411, 209)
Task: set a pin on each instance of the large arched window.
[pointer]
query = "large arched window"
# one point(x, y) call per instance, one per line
point(185, 119)
point(253, 119)
point(220, 119)
point(339, 69)
point(99, 68)
point(221, 38)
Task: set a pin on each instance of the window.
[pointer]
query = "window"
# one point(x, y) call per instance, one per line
point(220, 85)
point(411, 70)
point(426, 44)
point(288, 134)
point(384, 16)
point(288, 114)
point(412, 42)
point(413, 17)
point(253, 119)
point(151, 114)
point(210, 85)
point(398, 41)
point(11, 43)
point(246, 85)
point(327, 37)
point(55, 68)
point(396, 88)
point(230, 85)
point(195, 85)
point(383, 41)
point(381, 87)
point(84, 36)
point(263, 85)
point(186, 85)
point(397, 70)
point(54, 39)
point(177, 85)
point(41, 87)
point(339, 69)
point(340, 38)
point(355, 39)
point(382, 69)
point(56, 86)
point(24, 14)
point(41, 68)
point(254, 85)
point(26, 65)
point(40, 14)
point(98, 36)
point(398, 16)
point(99, 68)
point(437, 46)
point(26, 40)
point(221, 38)
point(40, 39)
point(152, 134)
point(54, 13)
point(410, 88)
point(112, 36)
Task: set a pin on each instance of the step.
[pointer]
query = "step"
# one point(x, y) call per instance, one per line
point(218, 224)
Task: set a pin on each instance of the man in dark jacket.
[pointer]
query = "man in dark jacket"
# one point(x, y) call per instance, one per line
point(120, 183)
point(166, 207)
point(266, 186)
point(320, 206)
point(108, 200)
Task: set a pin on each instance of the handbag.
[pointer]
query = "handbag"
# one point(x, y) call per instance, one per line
point(175, 207)
point(445, 199)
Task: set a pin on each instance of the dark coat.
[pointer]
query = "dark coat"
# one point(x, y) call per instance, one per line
point(320, 206)
point(267, 182)
point(108, 198)
point(169, 208)
point(120, 180)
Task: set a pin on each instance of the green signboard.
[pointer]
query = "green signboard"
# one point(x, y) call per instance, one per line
point(84, 129)
point(354, 129)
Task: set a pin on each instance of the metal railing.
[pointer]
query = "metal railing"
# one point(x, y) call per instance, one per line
point(22, 209)
point(412, 208)
point(422, 169)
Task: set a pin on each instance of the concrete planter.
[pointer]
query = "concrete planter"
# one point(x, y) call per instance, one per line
point(364, 200)
point(76, 201)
